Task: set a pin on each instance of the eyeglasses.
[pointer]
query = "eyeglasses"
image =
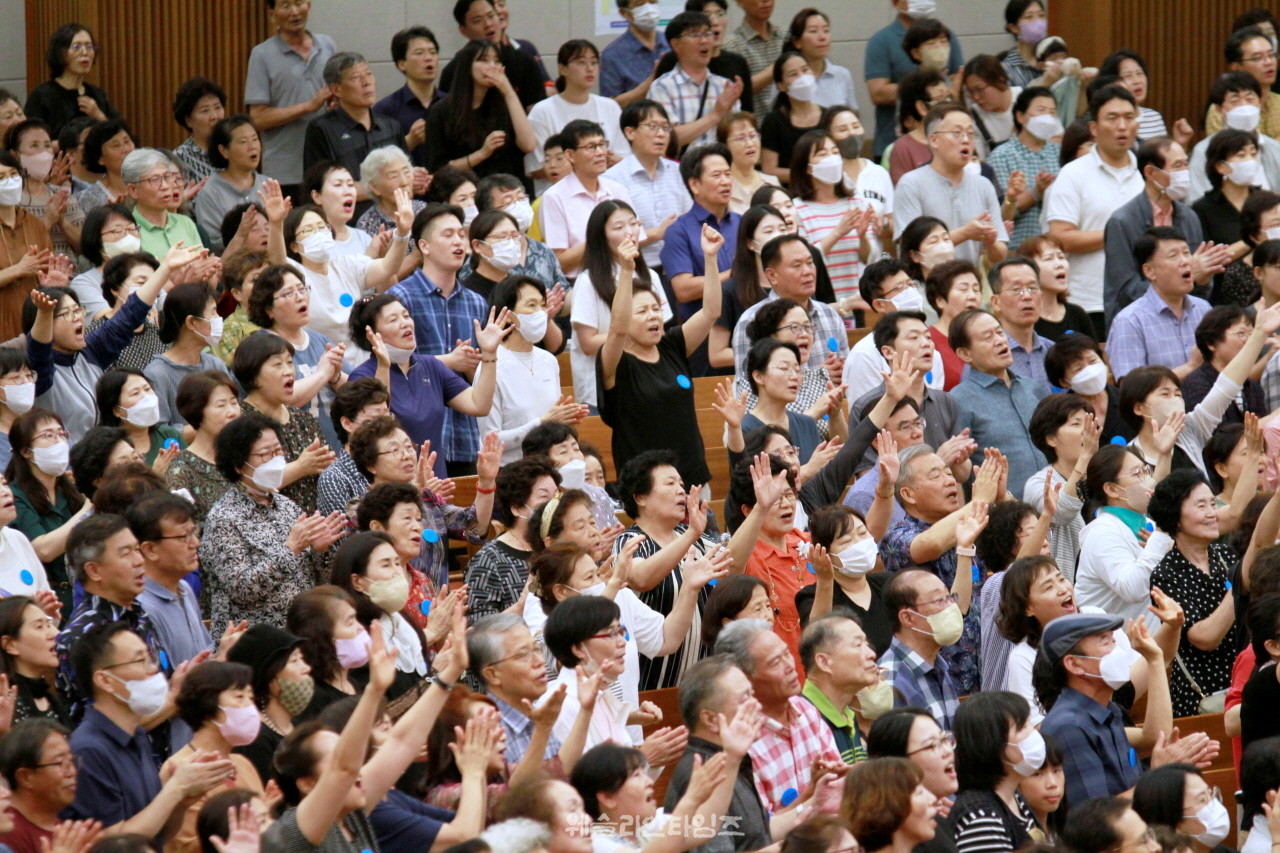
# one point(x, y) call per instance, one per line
point(299, 292)
point(591, 147)
point(399, 449)
point(903, 426)
point(1214, 793)
point(744, 138)
point(86, 47)
point(268, 454)
point(942, 744)
point(72, 314)
point(1029, 290)
point(699, 35)
point(70, 761)
point(19, 378)
point(656, 127)
point(797, 328)
point(946, 600)
point(1260, 57)
point(51, 435)
point(959, 134)
point(119, 231)
point(158, 181)
point(1148, 838)
point(794, 370)
point(150, 659)
point(191, 535)
point(527, 654)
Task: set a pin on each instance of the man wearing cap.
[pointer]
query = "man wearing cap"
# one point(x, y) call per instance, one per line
point(1079, 656)
point(282, 687)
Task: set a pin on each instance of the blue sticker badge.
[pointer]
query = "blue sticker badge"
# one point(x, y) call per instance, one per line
point(1118, 439)
point(833, 344)
point(425, 607)
point(346, 300)
point(977, 574)
point(164, 660)
point(811, 571)
point(683, 381)
point(928, 378)
point(711, 582)
point(1150, 527)
point(26, 577)
point(430, 536)
point(789, 796)
point(1133, 757)
point(1228, 584)
point(170, 444)
point(1070, 332)
point(1055, 389)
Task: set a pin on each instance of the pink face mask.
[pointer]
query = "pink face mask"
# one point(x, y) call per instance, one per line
point(241, 725)
point(353, 653)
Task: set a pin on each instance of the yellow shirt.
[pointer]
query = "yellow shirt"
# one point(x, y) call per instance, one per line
point(1269, 123)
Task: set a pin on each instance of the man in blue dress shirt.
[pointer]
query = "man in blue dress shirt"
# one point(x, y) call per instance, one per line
point(628, 63)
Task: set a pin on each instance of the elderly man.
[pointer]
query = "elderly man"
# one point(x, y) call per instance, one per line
point(1166, 182)
point(1106, 824)
point(926, 619)
point(284, 89)
point(945, 189)
point(1079, 657)
point(795, 738)
point(351, 129)
point(839, 664)
point(1015, 300)
point(996, 403)
point(155, 184)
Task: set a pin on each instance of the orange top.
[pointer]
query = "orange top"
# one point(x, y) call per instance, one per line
point(786, 573)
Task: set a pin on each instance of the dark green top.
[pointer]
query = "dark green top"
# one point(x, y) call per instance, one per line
point(33, 524)
point(161, 433)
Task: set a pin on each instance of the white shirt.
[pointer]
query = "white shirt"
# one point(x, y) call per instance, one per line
point(864, 364)
point(1268, 176)
point(590, 310)
point(1259, 840)
point(328, 315)
point(549, 117)
point(1085, 194)
point(1115, 568)
point(528, 384)
point(998, 125)
point(400, 634)
point(355, 244)
point(21, 572)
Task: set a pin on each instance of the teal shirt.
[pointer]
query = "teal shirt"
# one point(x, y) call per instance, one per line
point(158, 241)
point(159, 435)
point(32, 524)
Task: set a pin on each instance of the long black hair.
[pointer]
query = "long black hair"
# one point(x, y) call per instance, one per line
point(746, 272)
point(597, 257)
point(463, 124)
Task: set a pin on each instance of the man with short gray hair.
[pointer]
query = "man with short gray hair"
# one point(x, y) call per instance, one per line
point(840, 664)
point(351, 129)
point(794, 739)
point(155, 183)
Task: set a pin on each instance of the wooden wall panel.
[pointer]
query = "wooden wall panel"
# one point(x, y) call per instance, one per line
point(1181, 41)
point(147, 48)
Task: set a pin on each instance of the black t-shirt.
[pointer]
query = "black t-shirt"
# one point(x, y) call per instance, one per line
point(777, 133)
point(443, 147)
point(479, 284)
point(727, 65)
point(261, 750)
point(649, 408)
point(1075, 320)
point(1258, 703)
point(876, 621)
point(525, 75)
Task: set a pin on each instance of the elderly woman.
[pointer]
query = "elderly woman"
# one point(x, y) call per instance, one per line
point(66, 94)
point(198, 106)
point(155, 185)
point(207, 402)
point(26, 250)
point(106, 146)
point(55, 206)
point(108, 232)
point(235, 150)
point(259, 549)
point(1195, 573)
point(282, 688)
point(27, 635)
point(383, 171)
point(101, 448)
point(123, 275)
point(264, 368)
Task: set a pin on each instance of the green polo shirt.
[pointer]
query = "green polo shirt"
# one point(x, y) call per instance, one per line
point(158, 241)
point(843, 723)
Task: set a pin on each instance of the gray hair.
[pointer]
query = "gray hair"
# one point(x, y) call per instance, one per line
point(819, 634)
point(735, 641)
point(906, 472)
point(485, 641)
point(140, 161)
point(700, 687)
point(338, 65)
point(517, 835)
point(377, 160)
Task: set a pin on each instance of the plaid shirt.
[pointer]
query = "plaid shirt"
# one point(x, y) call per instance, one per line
point(684, 100)
point(519, 731)
point(1147, 332)
point(760, 53)
point(440, 321)
point(827, 324)
point(783, 755)
point(92, 612)
point(1013, 156)
point(1096, 754)
point(918, 683)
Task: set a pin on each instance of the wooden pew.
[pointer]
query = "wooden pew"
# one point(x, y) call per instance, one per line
point(668, 702)
point(566, 373)
point(1213, 725)
point(856, 335)
point(1225, 780)
point(704, 390)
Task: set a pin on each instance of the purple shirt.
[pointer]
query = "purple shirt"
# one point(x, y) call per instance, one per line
point(420, 398)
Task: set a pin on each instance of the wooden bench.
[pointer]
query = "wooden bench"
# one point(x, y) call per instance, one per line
point(668, 701)
point(1214, 726)
point(856, 335)
point(1225, 780)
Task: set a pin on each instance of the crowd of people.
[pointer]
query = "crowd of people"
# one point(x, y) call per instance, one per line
point(302, 548)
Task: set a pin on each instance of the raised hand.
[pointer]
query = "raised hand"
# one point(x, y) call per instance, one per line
point(494, 331)
point(489, 459)
point(382, 660)
point(230, 637)
point(331, 361)
point(899, 381)
point(620, 565)
point(588, 689)
point(421, 177)
point(60, 172)
point(43, 301)
point(820, 559)
point(404, 211)
point(696, 510)
point(464, 358)
point(180, 254)
point(887, 457)
point(971, 523)
point(986, 481)
point(1166, 609)
point(378, 347)
point(732, 92)
point(546, 712)
point(1166, 435)
point(698, 570)
point(768, 487)
point(244, 833)
point(474, 746)
point(732, 407)
point(736, 736)
point(1017, 184)
point(712, 241)
point(56, 209)
point(192, 189)
point(555, 301)
point(57, 273)
point(665, 746)
point(315, 458)
point(48, 601)
point(274, 202)
point(706, 777)
point(166, 455)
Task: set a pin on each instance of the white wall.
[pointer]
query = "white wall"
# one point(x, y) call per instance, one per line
point(13, 47)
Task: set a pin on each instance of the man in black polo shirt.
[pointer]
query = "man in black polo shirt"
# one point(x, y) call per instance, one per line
point(349, 131)
point(478, 19)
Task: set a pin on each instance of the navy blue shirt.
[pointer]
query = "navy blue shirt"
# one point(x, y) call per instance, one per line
point(405, 824)
point(404, 107)
point(682, 248)
point(118, 775)
point(1096, 754)
point(625, 62)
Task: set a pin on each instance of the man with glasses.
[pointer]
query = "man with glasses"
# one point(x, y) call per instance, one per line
point(888, 289)
point(37, 763)
point(726, 63)
point(567, 205)
point(1015, 300)
point(1166, 178)
point(1251, 51)
point(926, 619)
point(695, 98)
point(943, 188)
point(118, 782)
point(1108, 825)
point(156, 183)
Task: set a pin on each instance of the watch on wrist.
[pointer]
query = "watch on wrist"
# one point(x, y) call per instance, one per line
point(963, 551)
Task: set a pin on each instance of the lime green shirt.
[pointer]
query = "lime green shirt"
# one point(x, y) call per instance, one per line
point(843, 723)
point(158, 240)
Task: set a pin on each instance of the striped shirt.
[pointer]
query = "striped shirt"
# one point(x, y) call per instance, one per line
point(1150, 124)
point(844, 262)
point(760, 53)
point(981, 822)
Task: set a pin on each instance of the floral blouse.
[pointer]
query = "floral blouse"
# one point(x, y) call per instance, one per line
point(200, 478)
point(235, 329)
point(296, 436)
point(145, 345)
point(249, 571)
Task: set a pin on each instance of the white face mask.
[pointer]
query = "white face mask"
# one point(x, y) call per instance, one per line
point(594, 589)
point(943, 250)
point(1113, 667)
point(398, 355)
point(1179, 184)
point(11, 191)
point(803, 88)
point(646, 17)
point(573, 474)
point(54, 460)
point(126, 245)
point(921, 8)
point(145, 412)
point(522, 210)
point(146, 697)
point(858, 559)
point(38, 165)
point(20, 398)
point(1033, 752)
point(1272, 233)
point(1090, 379)
point(908, 300)
point(1164, 409)
point(469, 213)
point(506, 254)
point(829, 169)
point(269, 476)
point(1215, 819)
point(1244, 173)
point(316, 247)
point(533, 327)
point(215, 331)
point(1044, 127)
point(1244, 117)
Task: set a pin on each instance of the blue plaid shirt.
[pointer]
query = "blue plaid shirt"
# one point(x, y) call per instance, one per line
point(519, 731)
point(917, 683)
point(1096, 754)
point(439, 322)
point(1013, 155)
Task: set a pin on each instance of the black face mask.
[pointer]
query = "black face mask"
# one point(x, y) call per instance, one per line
point(851, 146)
